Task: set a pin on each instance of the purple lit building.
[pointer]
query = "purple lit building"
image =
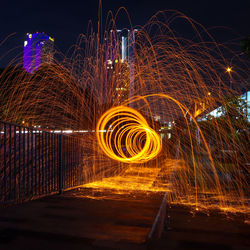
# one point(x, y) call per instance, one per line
point(38, 49)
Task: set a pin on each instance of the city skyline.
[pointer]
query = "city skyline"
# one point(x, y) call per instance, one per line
point(226, 22)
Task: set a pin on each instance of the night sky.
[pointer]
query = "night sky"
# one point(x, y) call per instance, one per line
point(65, 20)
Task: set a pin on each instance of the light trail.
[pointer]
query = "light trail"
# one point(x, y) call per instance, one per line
point(131, 140)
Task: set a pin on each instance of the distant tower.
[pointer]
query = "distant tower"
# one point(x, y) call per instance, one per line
point(120, 53)
point(38, 49)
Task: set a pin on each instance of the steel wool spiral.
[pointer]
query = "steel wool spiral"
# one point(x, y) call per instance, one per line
point(124, 135)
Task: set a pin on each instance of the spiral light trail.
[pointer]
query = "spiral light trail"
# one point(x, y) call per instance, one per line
point(129, 138)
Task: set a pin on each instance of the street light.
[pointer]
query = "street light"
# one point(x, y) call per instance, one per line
point(229, 68)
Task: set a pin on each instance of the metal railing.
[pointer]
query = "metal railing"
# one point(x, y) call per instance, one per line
point(34, 163)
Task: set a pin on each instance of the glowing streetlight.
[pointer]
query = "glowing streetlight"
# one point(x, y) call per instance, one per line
point(229, 70)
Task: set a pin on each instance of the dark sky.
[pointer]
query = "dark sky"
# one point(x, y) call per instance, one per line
point(65, 20)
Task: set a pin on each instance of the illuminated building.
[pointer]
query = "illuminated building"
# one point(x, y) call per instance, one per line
point(119, 63)
point(244, 96)
point(38, 49)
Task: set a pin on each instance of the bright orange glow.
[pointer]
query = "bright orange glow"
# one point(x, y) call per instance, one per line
point(130, 138)
point(229, 69)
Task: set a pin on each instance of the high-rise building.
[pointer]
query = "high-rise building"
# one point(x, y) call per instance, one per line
point(119, 60)
point(38, 49)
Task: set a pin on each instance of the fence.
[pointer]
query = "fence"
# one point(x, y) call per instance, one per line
point(34, 163)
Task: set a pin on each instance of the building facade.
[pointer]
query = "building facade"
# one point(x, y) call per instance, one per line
point(119, 64)
point(38, 50)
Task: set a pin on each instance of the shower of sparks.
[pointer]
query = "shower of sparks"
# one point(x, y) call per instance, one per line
point(141, 121)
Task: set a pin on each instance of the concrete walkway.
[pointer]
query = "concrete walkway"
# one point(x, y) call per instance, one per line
point(208, 230)
point(75, 220)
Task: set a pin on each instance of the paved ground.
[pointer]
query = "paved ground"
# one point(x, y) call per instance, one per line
point(75, 220)
point(203, 231)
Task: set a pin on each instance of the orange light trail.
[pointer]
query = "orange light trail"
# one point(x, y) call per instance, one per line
point(130, 132)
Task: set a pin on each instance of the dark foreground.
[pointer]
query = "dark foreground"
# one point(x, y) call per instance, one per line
point(114, 221)
point(203, 231)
